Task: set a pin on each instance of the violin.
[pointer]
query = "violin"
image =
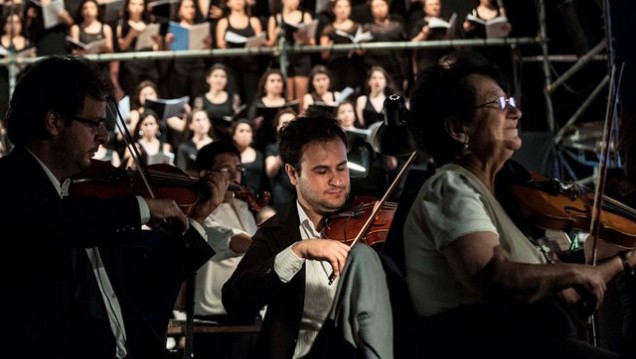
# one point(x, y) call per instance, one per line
point(255, 202)
point(103, 180)
point(552, 204)
point(345, 225)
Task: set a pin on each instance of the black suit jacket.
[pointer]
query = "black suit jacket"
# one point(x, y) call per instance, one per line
point(254, 284)
point(52, 307)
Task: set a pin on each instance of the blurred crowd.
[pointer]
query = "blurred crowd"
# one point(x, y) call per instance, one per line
point(246, 99)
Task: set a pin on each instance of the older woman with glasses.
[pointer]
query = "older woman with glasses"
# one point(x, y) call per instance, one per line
point(480, 284)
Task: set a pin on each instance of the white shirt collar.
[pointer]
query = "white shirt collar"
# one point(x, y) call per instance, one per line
point(61, 188)
point(307, 228)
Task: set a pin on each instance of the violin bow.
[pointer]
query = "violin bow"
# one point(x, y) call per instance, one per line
point(145, 175)
point(378, 205)
point(595, 227)
point(130, 144)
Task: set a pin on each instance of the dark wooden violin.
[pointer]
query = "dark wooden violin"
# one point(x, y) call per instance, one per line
point(345, 225)
point(372, 212)
point(103, 180)
point(255, 202)
point(552, 204)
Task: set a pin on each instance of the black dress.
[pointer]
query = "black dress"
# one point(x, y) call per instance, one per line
point(50, 41)
point(346, 68)
point(187, 77)
point(255, 173)
point(428, 56)
point(244, 70)
point(283, 192)
point(132, 72)
point(217, 113)
point(371, 115)
point(391, 60)
point(299, 64)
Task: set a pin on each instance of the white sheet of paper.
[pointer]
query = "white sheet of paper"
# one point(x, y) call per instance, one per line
point(50, 13)
point(145, 39)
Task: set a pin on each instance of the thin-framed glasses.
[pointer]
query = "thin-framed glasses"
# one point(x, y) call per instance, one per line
point(501, 102)
point(230, 169)
point(94, 125)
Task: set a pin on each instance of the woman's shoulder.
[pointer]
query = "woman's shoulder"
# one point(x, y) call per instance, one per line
point(328, 30)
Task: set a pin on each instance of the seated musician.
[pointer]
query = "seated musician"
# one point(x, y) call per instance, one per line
point(290, 262)
point(72, 288)
point(230, 228)
point(478, 284)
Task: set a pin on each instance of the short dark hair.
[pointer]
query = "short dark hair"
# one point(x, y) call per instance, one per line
point(304, 130)
point(207, 154)
point(56, 83)
point(442, 92)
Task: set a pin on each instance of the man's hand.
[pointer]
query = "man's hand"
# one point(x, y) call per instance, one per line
point(217, 184)
point(332, 251)
point(166, 211)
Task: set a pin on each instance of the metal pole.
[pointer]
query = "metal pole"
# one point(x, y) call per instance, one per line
point(577, 66)
point(282, 52)
point(581, 109)
point(543, 35)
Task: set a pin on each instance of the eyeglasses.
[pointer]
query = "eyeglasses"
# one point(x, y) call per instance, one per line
point(94, 125)
point(501, 102)
point(230, 169)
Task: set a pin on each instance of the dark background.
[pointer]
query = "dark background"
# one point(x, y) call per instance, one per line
point(573, 28)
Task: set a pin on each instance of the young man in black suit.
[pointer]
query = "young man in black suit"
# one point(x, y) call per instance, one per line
point(290, 263)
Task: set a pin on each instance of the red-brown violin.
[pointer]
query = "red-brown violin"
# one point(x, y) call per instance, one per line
point(345, 225)
point(551, 204)
point(255, 202)
point(103, 180)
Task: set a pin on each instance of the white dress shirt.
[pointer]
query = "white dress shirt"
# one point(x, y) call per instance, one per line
point(319, 294)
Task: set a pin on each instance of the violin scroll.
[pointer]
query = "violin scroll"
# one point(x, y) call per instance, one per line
point(256, 203)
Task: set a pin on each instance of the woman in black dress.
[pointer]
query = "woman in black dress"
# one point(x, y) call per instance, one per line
point(218, 102)
point(243, 69)
point(347, 67)
point(286, 23)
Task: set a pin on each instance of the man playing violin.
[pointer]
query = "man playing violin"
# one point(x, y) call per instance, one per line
point(230, 228)
point(478, 284)
point(289, 264)
point(70, 290)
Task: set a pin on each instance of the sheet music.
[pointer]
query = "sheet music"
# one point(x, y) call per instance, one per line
point(124, 109)
point(92, 47)
point(50, 13)
point(166, 108)
point(235, 38)
point(346, 92)
point(305, 33)
point(145, 39)
point(256, 41)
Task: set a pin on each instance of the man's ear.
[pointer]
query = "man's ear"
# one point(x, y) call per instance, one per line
point(53, 123)
point(292, 173)
point(456, 129)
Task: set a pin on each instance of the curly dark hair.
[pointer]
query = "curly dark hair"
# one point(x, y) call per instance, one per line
point(306, 129)
point(442, 92)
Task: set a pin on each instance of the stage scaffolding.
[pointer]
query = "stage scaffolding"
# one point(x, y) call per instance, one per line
point(281, 51)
